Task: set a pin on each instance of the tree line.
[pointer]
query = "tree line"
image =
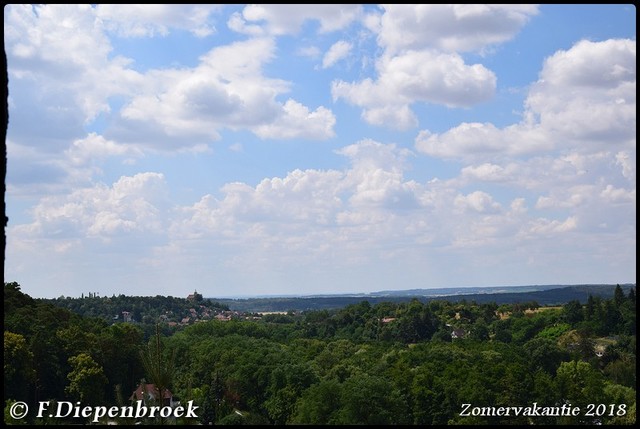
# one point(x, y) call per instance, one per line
point(387, 363)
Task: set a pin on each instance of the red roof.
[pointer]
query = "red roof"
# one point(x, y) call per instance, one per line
point(150, 390)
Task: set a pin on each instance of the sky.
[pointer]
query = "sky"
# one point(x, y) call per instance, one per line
point(250, 150)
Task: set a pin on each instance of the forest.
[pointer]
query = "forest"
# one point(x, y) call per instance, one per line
point(386, 363)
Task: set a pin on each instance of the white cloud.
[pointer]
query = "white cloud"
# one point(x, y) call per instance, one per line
point(584, 101)
point(421, 61)
point(33, 171)
point(63, 74)
point(95, 146)
point(416, 76)
point(60, 51)
point(131, 205)
point(366, 212)
point(572, 197)
point(573, 152)
point(551, 227)
point(304, 203)
point(281, 19)
point(397, 117)
point(615, 195)
point(367, 215)
point(450, 28)
point(471, 141)
point(477, 201)
point(628, 165)
point(226, 90)
point(296, 121)
point(147, 20)
point(336, 52)
point(309, 51)
point(586, 95)
point(488, 172)
point(504, 196)
point(422, 76)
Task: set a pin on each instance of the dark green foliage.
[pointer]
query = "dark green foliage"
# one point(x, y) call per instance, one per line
point(146, 311)
point(19, 371)
point(366, 363)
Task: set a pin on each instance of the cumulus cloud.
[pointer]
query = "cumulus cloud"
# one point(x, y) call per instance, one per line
point(296, 121)
point(56, 54)
point(421, 60)
point(274, 19)
point(477, 201)
point(628, 165)
point(338, 219)
point(63, 73)
point(148, 20)
point(302, 205)
point(96, 146)
point(32, 171)
point(581, 102)
point(615, 195)
point(488, 172)
point(483, 140)
point(551, 227)
point(564, 174)
point(417, 76)
point(368, 211)
point(586, 95)
point(573, 153)
point(132, 205)
point(336, 52)
point(450, 28)
point(227, 90)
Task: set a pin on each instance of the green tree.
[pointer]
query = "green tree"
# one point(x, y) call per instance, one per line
point(479, 331)
point(371, 400)
point(213, 403)
point(416, 323)
point(119, 355)
point(287, 382)
point(621, 395)
point(86, 380)
point(622, 371)
point(589, 308)
point(8, 416)
point(580, 384)
point(19, 373)
point(158, 367)
point(544, 353)
point(318, 403)
point(573, 312)
point(618, 296)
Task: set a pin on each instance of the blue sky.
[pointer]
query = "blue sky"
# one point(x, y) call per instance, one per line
point(243, 150)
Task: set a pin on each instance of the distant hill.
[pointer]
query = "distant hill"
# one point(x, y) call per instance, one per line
point(542, 294)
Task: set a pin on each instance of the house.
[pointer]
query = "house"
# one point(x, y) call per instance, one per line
point(458, 333)
point(148, 392)
point(388, 319)
point(222, 317)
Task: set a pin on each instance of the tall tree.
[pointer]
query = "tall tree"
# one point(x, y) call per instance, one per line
point(86, 380)
point(19, 374)
point(618, 296)
point(158, 367)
